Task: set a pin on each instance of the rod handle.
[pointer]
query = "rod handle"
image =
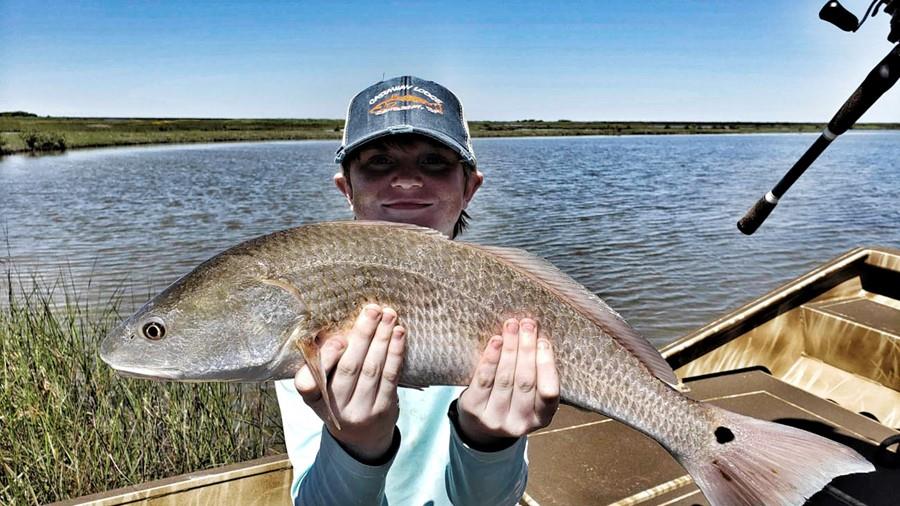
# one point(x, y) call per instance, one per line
point(757, 214)
point(879, 80)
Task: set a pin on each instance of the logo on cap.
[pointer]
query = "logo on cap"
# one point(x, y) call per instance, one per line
point(409, 100)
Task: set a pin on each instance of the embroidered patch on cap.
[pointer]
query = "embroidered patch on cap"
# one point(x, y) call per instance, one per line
point(404, 98)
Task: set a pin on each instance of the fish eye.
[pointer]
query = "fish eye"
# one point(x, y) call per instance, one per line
point(154, 329)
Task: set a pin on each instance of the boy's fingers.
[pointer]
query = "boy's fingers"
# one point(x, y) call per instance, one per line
point(523, 391)
point(358, 339)
point(393, 367)
point(501, 393)
point(547, 400)
point(304, 382)
point(369, 379)
point(479, 390)
point(306, 385)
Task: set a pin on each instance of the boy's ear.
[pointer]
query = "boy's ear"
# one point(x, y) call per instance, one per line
point(343, 184)
point(472, 185)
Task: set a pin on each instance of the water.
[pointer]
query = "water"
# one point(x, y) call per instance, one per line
point(648, 223)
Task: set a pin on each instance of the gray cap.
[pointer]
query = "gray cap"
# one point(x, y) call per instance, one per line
point(406, 104)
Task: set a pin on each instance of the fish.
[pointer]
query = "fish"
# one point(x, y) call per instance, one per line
point(261, 309)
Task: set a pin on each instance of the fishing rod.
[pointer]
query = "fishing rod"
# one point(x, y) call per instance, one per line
point(879, 80)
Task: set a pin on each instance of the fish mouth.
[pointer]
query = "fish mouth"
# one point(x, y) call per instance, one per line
point(147, 372)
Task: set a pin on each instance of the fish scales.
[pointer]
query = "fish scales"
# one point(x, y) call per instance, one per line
point(451, 307)
point(275, 296)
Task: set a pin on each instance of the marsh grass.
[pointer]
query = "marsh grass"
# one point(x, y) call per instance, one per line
point(97, 132)
point(70, 426)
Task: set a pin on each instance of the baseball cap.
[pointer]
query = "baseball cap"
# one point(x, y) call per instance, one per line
point(406, 104)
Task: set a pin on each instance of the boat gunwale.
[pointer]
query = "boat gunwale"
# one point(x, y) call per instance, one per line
point(762, 309)
point(182, 483)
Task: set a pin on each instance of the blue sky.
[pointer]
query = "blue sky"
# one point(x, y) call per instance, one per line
point(615, 60)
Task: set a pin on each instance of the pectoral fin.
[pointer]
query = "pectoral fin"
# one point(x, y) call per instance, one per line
point(308, 348)
point(310, 351)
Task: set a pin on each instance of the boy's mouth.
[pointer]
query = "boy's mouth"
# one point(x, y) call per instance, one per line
point(407, 204)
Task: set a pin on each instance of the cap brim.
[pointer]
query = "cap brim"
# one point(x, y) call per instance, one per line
point(464, 152)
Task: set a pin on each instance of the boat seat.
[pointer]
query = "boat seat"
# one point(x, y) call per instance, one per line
point(859, 335)
point(851, 354)
point(587, 459)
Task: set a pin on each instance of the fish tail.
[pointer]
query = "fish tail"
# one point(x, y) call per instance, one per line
point(755, 462)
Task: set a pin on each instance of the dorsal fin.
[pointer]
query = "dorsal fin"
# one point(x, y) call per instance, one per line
point(587, 304)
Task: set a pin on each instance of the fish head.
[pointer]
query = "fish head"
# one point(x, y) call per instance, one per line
point(220, 322)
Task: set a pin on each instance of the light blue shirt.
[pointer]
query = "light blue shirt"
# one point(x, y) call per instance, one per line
point(432, 467)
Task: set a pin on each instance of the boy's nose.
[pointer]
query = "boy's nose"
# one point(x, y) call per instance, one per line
point(407, 178)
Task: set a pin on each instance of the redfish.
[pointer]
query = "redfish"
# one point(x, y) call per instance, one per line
point(263, 308)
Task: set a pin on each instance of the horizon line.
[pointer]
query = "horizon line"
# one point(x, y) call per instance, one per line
point(11, 114)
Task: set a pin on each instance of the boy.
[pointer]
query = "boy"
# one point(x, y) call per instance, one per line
point(406, 157)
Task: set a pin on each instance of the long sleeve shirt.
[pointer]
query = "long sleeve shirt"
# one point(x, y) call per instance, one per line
point(432, 465)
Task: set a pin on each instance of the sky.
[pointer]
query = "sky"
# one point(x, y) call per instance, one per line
point(678, 60)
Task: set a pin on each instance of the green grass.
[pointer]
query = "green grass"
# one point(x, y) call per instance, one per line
point(97, 132)
point(565, 128)
point(70, 426)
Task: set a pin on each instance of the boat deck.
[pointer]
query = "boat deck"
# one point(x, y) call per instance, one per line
point(587, 459)
point(834, 332)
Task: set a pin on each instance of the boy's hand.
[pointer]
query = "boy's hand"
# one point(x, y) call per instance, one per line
point(363, 388)
point(515, 390)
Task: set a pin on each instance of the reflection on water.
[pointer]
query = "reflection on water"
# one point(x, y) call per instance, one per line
point(648, 223)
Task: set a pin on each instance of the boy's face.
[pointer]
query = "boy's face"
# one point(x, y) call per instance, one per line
point(417, 181)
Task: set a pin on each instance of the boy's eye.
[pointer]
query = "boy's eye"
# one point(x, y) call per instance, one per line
point(378, 162)
point(435, 162)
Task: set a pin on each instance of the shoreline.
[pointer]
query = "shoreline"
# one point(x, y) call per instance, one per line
point(23, 135)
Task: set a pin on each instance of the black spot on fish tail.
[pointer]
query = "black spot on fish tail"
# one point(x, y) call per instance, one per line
point(724, 435)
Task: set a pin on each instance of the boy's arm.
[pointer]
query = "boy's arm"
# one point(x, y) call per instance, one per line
point(324, 473)
point(514, 391)
point(495, 475)
point(347, 460)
